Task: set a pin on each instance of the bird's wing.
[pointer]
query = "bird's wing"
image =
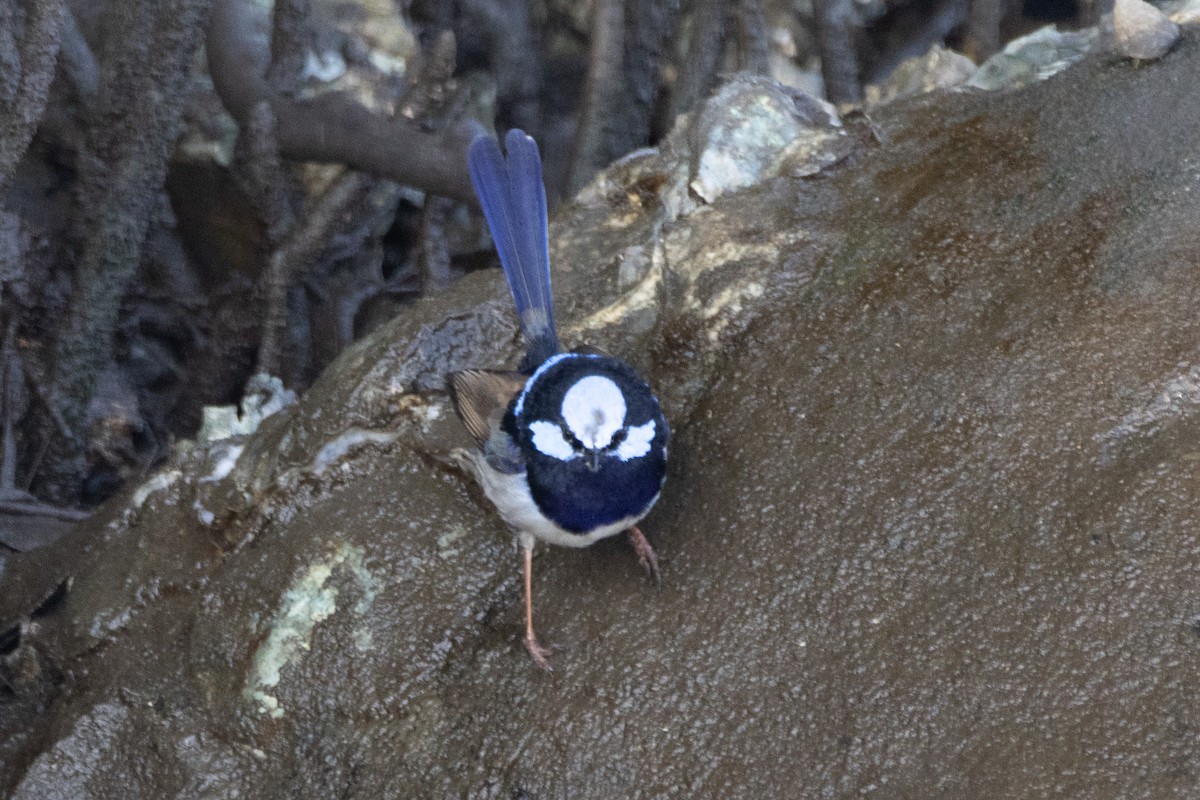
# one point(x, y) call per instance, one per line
point(482, 396)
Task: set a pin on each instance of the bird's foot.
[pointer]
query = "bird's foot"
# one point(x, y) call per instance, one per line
point(646, 555)
point(539, 653)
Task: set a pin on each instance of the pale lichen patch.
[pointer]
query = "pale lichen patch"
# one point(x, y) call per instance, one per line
point(446, 542)
point(309, 600)
point(1178, 397)
point(225, 463)
point(333, 451)
point(159, 482)
point(643, 295)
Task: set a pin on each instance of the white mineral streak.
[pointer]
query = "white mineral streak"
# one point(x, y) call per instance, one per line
point(225, 463)
point(1179, 397)
point(309, 600)
point(333, 451)
point(159, 482)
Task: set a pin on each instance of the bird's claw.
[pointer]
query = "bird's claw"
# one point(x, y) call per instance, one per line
point(646, 555)
point(539, 653)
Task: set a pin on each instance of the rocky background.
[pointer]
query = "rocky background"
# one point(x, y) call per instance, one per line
point(931, 358)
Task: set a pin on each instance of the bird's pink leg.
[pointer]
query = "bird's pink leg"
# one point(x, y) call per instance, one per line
point(538, 652)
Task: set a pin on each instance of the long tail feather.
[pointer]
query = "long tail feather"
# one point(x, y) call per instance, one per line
point(514, 203)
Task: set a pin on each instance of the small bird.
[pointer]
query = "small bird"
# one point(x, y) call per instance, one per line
point(573, 447)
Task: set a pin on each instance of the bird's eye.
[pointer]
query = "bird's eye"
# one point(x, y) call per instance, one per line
point(573, 440)
point(618, 439)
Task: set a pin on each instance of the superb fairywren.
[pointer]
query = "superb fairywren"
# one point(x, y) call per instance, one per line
point(573, 447)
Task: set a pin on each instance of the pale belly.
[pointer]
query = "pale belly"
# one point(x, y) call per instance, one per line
point(510, 494)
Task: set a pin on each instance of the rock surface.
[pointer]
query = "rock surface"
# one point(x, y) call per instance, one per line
point(939, 68)
point(1034, 57)
point(1141, 31)
point(932, 527)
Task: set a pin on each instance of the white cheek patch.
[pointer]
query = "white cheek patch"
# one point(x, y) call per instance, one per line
point(549, 440)
point(594, 410)
point(637, 442)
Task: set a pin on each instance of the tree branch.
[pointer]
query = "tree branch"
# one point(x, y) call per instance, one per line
point(35, 57)
point(514, 55)
point(333, 127)
point(983, 29)
point(604, 79)
point(295, 255)
point(837, 22)
point(289, 44)
point(130, 135)
point(627, 38)
point(78, 62)
point(698, 72)
point(753, 48)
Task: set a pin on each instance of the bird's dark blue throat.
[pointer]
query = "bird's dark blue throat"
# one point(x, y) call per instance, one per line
point(577, 487)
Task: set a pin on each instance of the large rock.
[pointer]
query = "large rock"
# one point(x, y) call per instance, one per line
point(1141, 31)
point(932, 527)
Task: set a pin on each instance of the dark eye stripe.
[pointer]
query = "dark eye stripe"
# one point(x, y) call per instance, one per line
point(617, 439)
point(570, 436)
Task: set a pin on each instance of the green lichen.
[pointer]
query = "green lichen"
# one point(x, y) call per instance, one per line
point(309, 600)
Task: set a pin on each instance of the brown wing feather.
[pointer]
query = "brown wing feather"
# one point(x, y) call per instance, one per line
point(482, 396)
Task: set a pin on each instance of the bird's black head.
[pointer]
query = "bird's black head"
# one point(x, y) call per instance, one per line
point(594, 440)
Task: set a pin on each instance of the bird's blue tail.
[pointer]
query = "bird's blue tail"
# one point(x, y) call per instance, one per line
point(514, 203)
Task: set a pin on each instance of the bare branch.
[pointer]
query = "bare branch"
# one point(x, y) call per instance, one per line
point(514, 54)
point(753, 48)
point(261, 173)
point(121, 172)
point(837, 22)
point(36, 509)
point(605, 75)
point(334, 127)
point(433, 253)
point(78, 62)
point(627, 39)
point(427, 97)
point(35, 56)
point(983, 29)
point(302, 247)
point(698, 72)
point(289, 44)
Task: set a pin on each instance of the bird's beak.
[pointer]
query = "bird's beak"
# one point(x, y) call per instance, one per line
point(592, 459)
